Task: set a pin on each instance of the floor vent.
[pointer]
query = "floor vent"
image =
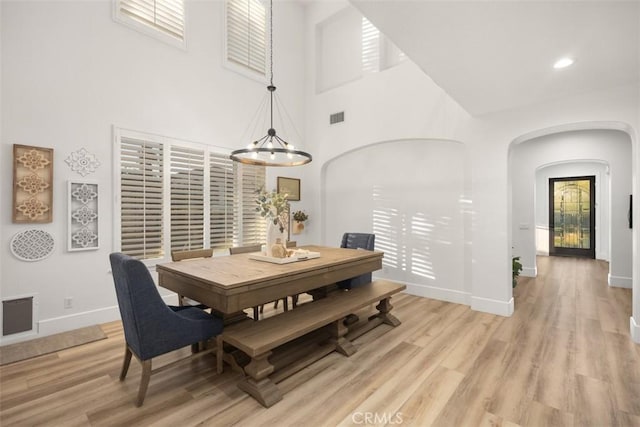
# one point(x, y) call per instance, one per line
point(17, 315)
point(336, 118)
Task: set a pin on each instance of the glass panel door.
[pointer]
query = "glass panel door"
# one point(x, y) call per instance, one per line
point(572, 216)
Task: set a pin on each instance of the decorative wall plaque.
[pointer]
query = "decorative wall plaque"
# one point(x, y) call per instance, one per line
point(83, 216)
point(83, 162)
point(32, 184)
point(32, 245)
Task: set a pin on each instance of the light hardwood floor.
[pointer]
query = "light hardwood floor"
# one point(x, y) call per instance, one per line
point(564, 358)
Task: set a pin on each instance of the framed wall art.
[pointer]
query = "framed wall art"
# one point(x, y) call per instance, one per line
point(82, 216)
point(290, 186)
point(32, 184)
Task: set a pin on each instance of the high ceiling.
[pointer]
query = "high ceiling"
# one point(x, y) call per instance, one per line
point(497, 55)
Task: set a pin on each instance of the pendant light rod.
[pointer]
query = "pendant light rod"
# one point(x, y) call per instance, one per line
point(283, 154)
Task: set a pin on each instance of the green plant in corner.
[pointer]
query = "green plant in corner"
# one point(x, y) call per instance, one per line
point(516, 268)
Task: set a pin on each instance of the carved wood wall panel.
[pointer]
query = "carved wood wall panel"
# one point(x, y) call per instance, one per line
point(32, 184)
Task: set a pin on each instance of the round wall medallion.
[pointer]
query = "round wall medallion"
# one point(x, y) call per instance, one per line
point(32, 245)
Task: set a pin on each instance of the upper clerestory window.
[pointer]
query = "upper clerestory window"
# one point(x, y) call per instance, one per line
point(246, 37)
point(162, 19)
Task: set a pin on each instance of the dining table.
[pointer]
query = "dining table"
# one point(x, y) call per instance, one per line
point(230, 284)
point(269, 350)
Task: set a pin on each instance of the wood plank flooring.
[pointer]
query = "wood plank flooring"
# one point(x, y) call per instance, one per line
point(564, 358)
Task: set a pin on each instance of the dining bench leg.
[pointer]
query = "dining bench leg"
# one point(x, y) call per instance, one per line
point(257, 383)
point(264, 391)
point(337, 330)
point(384, 308)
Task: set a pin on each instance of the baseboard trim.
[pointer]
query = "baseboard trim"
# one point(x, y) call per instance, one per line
point(620, 282)
point(487, 305)
point(442, 294)
point(529, 271)
point(56, 325)
point(59, 324)
point(634, 328)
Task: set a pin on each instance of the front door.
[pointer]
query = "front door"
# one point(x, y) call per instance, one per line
point(572, 216)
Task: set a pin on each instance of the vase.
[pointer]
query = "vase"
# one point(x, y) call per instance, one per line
point(273, 234)
point(278, 250)
point(298, 226)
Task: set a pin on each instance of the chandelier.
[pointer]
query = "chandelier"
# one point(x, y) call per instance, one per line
point(270, 149)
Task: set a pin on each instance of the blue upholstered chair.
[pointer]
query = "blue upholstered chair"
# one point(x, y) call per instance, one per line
point(357, 241)
point(151, 327)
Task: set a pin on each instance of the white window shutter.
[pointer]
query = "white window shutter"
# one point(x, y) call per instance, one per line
point(141, 205)
point(187, 198)
point(229, 189)
point(224, 216)
point(164, 15)
point(252, 180)
point(246, 34)
point(378, 52)
point(370, 47)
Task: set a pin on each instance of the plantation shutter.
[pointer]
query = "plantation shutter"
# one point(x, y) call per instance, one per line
point(164, 15)
point(252, 180)
point(141, 189)
point(246, 38)
point(187, 198)
point(370, 47)
point(223, 215)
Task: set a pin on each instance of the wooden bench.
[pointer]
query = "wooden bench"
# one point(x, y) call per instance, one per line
point(258, 339)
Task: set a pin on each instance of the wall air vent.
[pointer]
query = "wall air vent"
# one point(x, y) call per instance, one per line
point(336, 118)
point(17, 315)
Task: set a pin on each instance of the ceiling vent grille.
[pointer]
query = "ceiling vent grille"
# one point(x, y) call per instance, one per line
point(336, 118)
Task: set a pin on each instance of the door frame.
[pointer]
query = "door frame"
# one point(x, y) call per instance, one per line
point(577, 252)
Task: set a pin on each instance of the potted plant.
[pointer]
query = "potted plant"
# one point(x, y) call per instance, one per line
point(299, 217)
point(516, 268)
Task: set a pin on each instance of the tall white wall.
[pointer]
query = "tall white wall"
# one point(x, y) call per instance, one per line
point(409, 194)
point(611, 147)
point(69, 73)
point(401, 137)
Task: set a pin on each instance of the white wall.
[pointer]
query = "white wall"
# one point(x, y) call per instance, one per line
point(69, 73)
point(409, 194)
point(401, 133)
point(608, 146)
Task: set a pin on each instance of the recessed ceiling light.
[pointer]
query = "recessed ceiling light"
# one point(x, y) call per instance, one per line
point(563, 63)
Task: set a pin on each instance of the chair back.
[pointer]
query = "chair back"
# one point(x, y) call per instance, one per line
point(357, 241)
point(196, 253)
point(244, 249)
point(141, 306)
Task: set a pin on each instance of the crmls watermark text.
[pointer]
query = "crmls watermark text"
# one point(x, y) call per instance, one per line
point(376, 418)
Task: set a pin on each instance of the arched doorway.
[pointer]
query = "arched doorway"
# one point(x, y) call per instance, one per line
point(624, 254)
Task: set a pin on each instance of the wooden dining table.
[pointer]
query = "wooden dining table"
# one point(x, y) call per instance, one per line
point(230, 284)
point(272, 349)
